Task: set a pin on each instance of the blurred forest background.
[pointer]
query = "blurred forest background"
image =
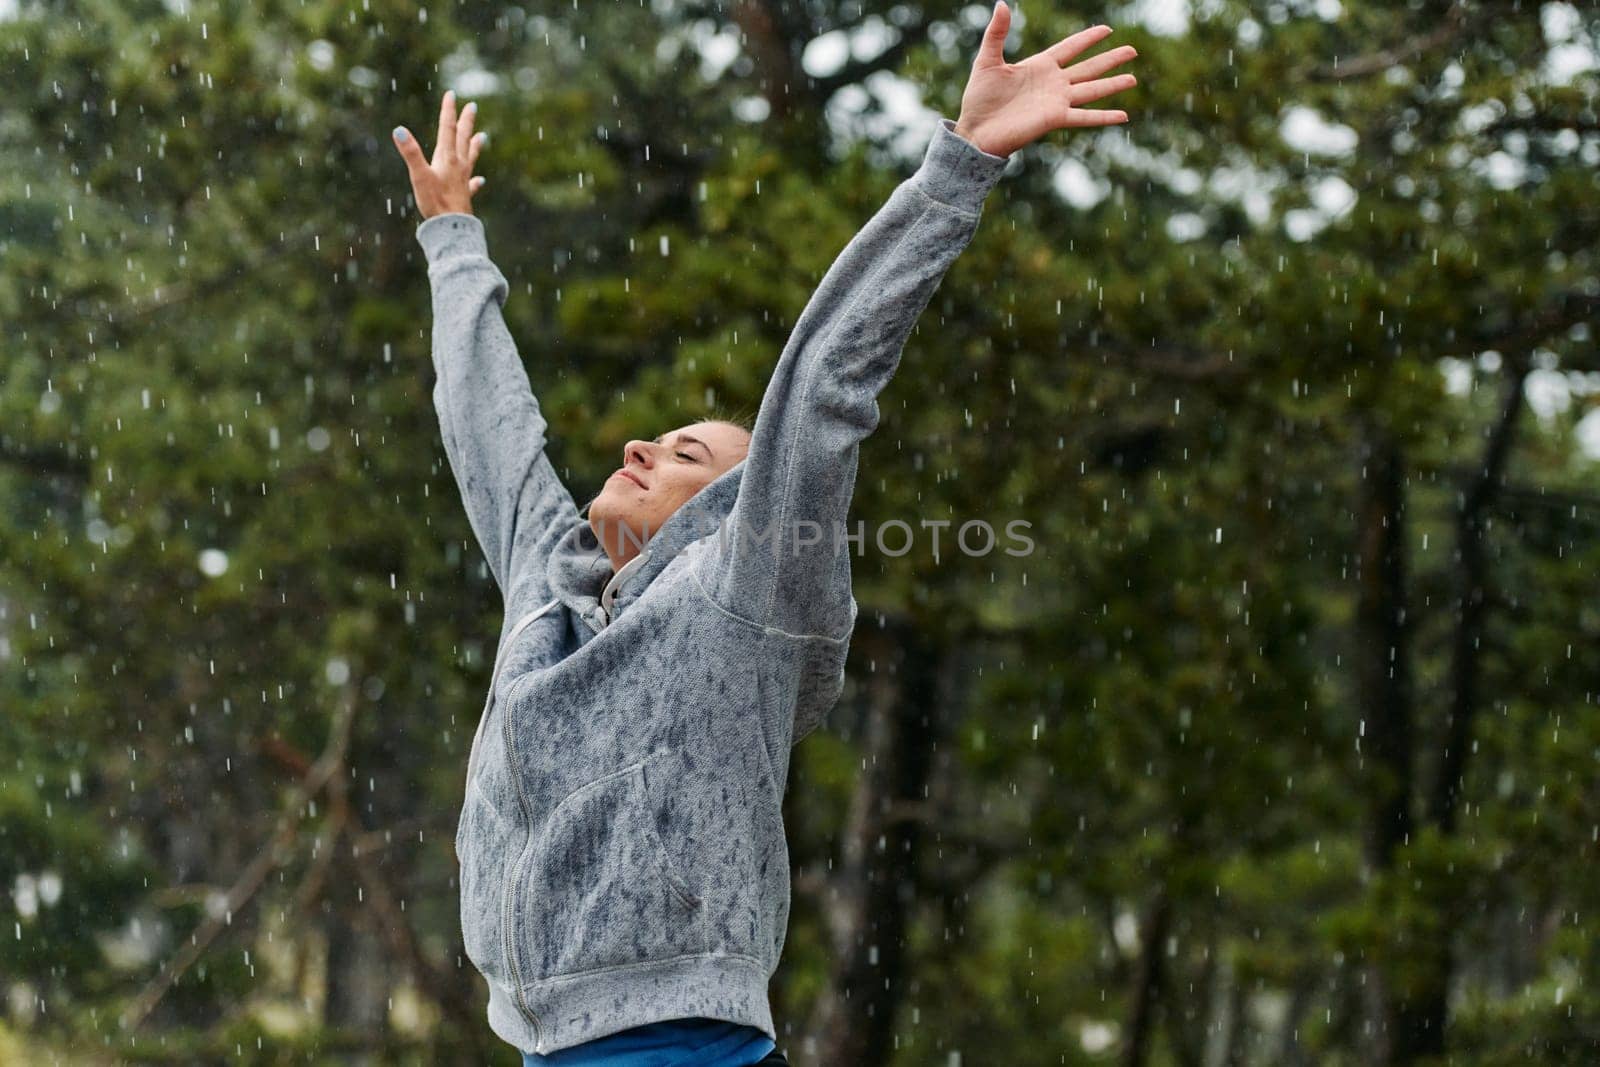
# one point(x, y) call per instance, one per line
point(1282, 747)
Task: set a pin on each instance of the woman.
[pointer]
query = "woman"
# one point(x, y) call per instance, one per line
point(624, 874)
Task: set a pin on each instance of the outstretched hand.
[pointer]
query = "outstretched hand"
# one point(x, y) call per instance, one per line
point(444, 184)
point(1008, 105)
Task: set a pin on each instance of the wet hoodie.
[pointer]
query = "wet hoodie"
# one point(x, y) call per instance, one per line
point(621, 843)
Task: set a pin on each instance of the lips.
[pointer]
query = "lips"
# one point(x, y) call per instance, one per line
point(632, 477)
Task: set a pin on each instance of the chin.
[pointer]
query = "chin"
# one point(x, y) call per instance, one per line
point(608, 514)
point(604, 508)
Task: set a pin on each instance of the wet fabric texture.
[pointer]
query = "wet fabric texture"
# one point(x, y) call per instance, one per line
point(674, 1043)
point(621, 842)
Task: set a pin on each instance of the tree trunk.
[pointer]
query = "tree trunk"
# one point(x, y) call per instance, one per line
point(1472, 582)
point(1288, 1050)
point(1147, 977)
point(774, 43)
point(1423, 1022)
point(1188, 1020)
point(873, 888)
point(1219, 1011)
point(1233, 1050)
point(1385, 691)
point(357, 974)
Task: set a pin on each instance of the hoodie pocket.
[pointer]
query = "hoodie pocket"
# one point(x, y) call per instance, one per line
point(597, 886)
point(485, 847)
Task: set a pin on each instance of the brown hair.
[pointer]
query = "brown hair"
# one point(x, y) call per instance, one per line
point(740, 418)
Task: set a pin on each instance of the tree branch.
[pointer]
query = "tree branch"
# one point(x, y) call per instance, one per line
point(43, 461)
point(1541, 122)
point(1523, 495)
point(1186, 365)
point(251, 879)
point(1527, 331)
point(1453, 25)
point(395, 930)
point(166, 296)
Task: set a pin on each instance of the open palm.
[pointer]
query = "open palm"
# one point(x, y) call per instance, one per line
point(446, 182)
point(1008, 105)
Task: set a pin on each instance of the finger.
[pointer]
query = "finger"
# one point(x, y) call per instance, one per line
point(992, 52)
point(408, 148)
point(1082, 117)
point(475, 184)
point(1068, 47)
point(445, 147)
point(469, 115)
point(474, 147)
point(1083, 92)
point(1095, 66)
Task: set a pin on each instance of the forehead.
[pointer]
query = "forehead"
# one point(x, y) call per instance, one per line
point(712, 433)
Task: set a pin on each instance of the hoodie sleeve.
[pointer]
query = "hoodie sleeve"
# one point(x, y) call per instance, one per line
point(494, 433)
point(782, 559)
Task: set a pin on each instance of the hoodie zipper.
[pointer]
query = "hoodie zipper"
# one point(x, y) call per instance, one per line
point(522, 801)
point(507, 888)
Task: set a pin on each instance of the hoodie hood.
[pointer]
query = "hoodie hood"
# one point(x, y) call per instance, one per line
point(580, 572)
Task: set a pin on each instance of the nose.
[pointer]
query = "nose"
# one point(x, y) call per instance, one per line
point(640, 452)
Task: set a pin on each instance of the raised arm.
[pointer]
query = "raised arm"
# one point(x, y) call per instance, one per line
point(493, 431)
point(778, 566)
point(782, 561)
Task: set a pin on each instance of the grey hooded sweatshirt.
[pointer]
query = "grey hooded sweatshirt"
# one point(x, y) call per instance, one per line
point(621, 843)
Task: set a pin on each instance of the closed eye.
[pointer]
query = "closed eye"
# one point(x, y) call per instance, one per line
point(688, 457)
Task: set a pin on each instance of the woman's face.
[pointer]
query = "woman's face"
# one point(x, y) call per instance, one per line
point(655, 479)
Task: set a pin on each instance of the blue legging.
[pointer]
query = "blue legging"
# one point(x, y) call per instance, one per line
point(669, 1043)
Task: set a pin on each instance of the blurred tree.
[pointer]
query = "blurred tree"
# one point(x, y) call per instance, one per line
point(1276, 748)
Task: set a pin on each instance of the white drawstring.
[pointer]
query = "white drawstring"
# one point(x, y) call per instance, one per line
point(608, 595)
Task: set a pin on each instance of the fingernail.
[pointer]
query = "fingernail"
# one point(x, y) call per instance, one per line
point(473, 106)
point(400, 133)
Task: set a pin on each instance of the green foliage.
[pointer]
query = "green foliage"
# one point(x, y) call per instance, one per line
point(227, 513)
